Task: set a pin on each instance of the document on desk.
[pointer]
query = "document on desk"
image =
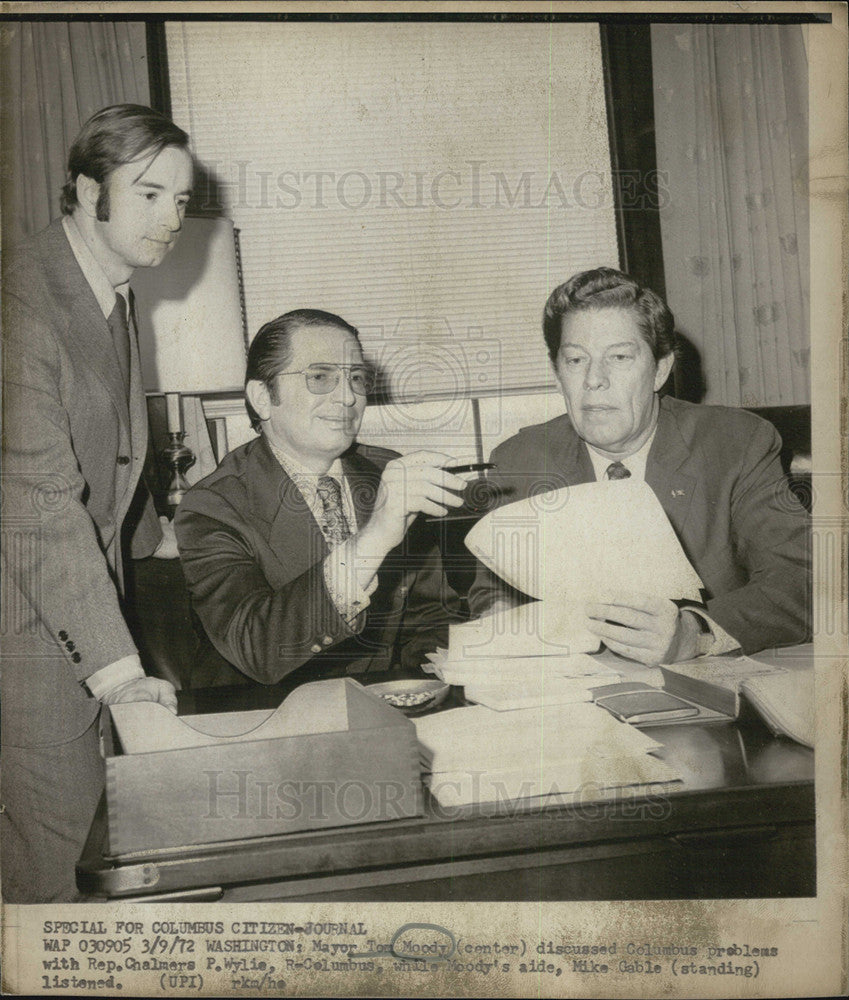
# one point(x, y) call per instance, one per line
point(475, 754)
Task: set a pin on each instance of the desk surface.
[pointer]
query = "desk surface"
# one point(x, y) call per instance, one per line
point(745, 796)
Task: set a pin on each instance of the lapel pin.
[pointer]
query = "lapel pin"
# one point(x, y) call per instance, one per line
point(678, 493)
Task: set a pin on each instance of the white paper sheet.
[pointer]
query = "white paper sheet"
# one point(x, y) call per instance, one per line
point(479, 739)
point(477, 755)
point(535, 691)
point(554, 628)
point(584, 540)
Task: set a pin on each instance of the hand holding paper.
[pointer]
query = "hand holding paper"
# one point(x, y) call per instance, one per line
point(604, 550)
point(648, 629)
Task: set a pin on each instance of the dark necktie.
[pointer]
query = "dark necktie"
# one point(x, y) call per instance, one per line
point(616, 470)
point(335, 525)
point(120, 330)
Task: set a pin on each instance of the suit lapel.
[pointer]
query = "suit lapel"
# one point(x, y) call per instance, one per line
point(293, 535)
point(87, 328)
point(669, 452)
point(569, 458)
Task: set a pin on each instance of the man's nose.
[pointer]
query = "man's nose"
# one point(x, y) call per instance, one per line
point(596, 376)
point(345, 394)
point(171, 219)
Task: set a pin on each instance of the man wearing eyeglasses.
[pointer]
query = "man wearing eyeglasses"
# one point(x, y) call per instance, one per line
point(301, 553)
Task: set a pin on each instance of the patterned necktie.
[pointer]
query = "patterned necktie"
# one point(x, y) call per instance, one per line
point(616, 470)
point(120, 330)
point(335, 526)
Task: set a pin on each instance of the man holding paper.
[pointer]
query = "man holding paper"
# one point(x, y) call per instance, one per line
point(714, 470)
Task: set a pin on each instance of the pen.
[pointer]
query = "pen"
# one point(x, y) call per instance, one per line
point(474, 467)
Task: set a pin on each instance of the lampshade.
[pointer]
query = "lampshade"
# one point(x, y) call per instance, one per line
point(189, 313)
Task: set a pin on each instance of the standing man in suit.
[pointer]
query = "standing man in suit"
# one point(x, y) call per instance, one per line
point(714, 469)
point(75, 435)
point(301, 554)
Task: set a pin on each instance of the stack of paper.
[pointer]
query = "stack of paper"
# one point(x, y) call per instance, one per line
point(539, 628)
point(507, 683)
point(581, 545)
point(478, 755)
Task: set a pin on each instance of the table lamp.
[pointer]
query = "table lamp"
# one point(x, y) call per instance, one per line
point(192, 331)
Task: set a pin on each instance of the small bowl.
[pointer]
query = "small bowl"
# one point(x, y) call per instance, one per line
point(412, 697)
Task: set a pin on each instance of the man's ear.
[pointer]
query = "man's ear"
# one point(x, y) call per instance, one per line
point(88, 191)
point(259, 398)
point(664, 367)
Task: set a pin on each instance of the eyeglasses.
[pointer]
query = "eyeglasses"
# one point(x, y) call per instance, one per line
point(323, 378)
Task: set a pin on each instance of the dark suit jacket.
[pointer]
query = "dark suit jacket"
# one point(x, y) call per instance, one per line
point(253, 558)
point(74, 446)
point(716, 472)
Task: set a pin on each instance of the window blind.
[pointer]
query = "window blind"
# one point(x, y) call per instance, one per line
point(431, 183)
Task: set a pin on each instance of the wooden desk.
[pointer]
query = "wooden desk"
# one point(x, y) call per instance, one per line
point(740, 825)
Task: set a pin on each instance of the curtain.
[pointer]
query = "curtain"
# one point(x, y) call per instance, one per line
point(54, 76)
point(731, 107)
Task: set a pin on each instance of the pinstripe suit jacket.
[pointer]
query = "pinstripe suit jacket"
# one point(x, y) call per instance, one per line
point(74, 447)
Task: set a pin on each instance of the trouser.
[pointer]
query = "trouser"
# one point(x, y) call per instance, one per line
point(49, 796)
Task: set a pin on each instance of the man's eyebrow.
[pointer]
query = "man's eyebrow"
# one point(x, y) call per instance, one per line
point(156, 187)
point(579, 347)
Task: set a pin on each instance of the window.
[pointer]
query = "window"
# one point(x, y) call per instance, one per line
point(429, 182)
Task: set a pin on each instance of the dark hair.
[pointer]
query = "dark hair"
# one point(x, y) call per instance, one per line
point(112, 137)
point(271, 349)
point(606, 288)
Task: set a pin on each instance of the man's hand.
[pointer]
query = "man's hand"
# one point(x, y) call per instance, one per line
point(167, 548)
point(410, 485)
point(650, 630)
point(143, 689)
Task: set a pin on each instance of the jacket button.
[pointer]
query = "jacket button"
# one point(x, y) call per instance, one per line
point(63, 635)
point(76, 657)
point(327, 640)
point(315, 648)
point(70, 647)
point(123, 460)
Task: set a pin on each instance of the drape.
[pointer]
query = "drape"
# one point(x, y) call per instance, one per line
point(731, 106)
point(53, 76)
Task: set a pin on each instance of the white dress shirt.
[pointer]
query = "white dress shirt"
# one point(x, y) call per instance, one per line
point(340, 572)
point(718, 640)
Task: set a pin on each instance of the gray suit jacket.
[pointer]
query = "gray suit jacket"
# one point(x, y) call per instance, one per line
point(716, 472)
point(74, 446)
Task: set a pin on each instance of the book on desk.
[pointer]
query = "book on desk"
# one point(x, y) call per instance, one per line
point(712, 689)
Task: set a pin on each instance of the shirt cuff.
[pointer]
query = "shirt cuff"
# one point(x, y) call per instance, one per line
point(719, 640)
point(341, 578)
point(102, 681)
